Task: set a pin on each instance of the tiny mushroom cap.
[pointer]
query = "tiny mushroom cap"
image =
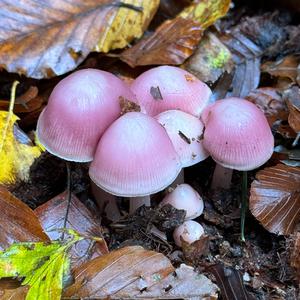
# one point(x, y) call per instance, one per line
point(187, 198)
point(165, 88)
point(237, 134)
point(134, 157)
point(190, 231)
point(79, 110)
point(186, 134)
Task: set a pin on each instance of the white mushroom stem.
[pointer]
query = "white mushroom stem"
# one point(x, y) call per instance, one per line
point(136, 202)
point(221, 177)
point(179, 179)
point(106, 202)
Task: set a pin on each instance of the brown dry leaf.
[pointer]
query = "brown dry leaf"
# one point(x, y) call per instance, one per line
point(270, 102)
point(51, 38)
point(13, 294)
point(285, 67)
point(292, 97)
point(184, 283)
point(175, 40)
point(230, 282)
point(52, 215)
point(171, 43)
point(211, 59)
point(18, 223)
point(295, 253)
point(131, 268)
point(275, 198)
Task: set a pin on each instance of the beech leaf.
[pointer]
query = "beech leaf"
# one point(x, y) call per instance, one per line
point(275, 198)
point(46, 38)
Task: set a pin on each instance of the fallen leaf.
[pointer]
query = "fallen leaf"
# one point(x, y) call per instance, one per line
point(184, 283)
point(275, 198)
point(284, 67)
point(15, 157)
point(270, 102)
point(14, 294)
point(171, 43)
point(51, 39)
point(295, 253)
point(42, 265)
point(289, 157)
point(211, 59)
point(175, 40)
point(130, 269)
point(18, 223)
point(206, 12)
point(292, 97)
point(230, 282)
point(52, 216)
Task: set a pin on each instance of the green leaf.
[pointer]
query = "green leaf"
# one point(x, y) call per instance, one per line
point(43, 266)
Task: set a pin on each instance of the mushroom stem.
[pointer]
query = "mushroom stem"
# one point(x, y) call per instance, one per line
point(179, 179)
point(106, 202)
point(136, 202)
point(221, 177)
point(244, 205)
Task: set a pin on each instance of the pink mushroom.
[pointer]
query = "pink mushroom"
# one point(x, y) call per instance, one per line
point(166, 88)
point(190, 231)
point(187, 198)
point(186, 134)
point(79, 110)
point(134, 158)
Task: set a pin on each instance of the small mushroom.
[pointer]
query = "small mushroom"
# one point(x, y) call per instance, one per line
point(166, 88)
point(190, 231)
point(134, 158)
point(187, 198)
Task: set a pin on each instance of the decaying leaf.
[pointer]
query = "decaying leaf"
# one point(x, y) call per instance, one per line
point(44, 39)
point(14, 294)
point(15, 157)
point(42, 265)
point(295, 253)
point(292, 97)
point(275, 198)
point(175, 40)
point(18, 223)
point(285, 67)
point(129, 270)
point(271, 103)
point(230, 282)
point(52, 216)
point(184, 283)
point(211, 59)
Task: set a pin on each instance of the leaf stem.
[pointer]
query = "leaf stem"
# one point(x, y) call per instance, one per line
point(244, 205)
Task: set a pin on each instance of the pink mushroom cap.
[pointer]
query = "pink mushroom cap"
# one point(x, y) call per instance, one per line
point(187, 198)
point(190, 231)
point(79, 110)
point(185, 132)
point(237, 134)
point(165, 88)
point(134, 157)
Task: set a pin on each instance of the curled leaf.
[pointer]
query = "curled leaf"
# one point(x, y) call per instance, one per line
point(275, 198)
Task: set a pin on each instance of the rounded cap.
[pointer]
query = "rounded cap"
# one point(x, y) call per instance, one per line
point(79, 109)
point(134, 157)
point(190, 231)
point(187, 198)
point(237, 134)
point(165, 88)
point(186, 134)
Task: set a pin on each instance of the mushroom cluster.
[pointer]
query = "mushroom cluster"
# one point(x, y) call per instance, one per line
point(137, 154)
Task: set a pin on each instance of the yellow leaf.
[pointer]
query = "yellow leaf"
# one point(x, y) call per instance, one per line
point(126, 24)
point(206, 12)
point(15, 157)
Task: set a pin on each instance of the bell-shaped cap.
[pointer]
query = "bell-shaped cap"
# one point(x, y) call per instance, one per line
point(237, 134)
point(187, 198)
point(79, 109)
point(166, 88)
point(190, 231)
point(186, 134)
point(134, 157)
